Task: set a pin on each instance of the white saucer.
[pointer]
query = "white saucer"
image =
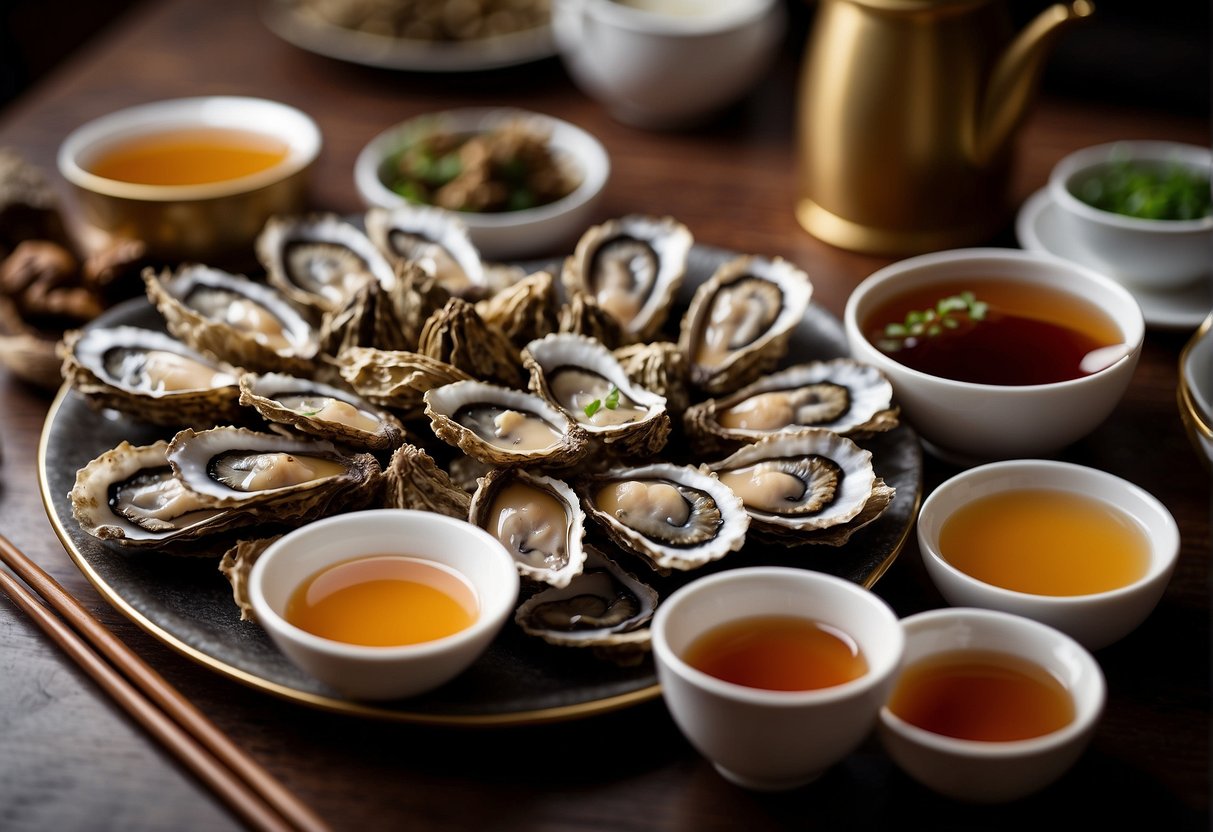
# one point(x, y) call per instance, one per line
point(1184, 308)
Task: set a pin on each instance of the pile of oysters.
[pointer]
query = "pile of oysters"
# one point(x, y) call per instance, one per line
point(382, 363)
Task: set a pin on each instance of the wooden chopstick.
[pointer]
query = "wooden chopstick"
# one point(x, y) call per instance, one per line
point(251, 791)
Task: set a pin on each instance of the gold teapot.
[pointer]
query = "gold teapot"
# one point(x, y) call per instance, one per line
point(907, 112)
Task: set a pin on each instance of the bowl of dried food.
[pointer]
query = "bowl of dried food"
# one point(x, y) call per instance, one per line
point(523, 183)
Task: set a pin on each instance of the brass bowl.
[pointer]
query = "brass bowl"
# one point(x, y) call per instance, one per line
point(209, 221)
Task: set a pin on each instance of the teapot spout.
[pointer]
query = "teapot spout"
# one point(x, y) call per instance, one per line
point(1014, 80)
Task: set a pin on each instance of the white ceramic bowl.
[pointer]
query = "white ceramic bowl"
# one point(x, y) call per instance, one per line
point(770, 740)
point(205, 221)
point(532, 232)
point(990, 772)
point(667, 63)
point(1195, 390)
point(1157, 254)
point(363, 672)
point(1095, 620)
point(967, 422)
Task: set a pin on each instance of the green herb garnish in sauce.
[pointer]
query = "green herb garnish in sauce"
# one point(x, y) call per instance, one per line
point(948, 313)
point(611, 402)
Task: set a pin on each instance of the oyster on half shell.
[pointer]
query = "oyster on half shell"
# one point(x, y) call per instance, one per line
point(537, 518)
point(319, 261)
point(321, 410)
point(842, 395)
point(603, 607)
point(674, 516)
point(739, 322)
point(580, 376)
point(632, 267)
point(129, 495)
point(150, 376)
point(287, 479)
point(815, 486)
point(249, 324)
point(433, 238)
point(502, 426)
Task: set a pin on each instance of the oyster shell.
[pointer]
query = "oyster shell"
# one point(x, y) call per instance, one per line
point(674, 516)
point(150, 376)
point(413, 480)
point(321, 410)
point(396, 379)
point(632, 266)
point(380, 318)
point(319, 261)
point(435, 239)
point(603, 607)
point(233, 318)
point(236, 565)
point(738, 324)
point(457, 335)
point(842, 395)
point(524, 311)
point(581, 315)
point(284, 478)
point(813, 486)
point(660, 367)
point(537, 518)
point(501, 426)
point(581, 377)
point(129, 495)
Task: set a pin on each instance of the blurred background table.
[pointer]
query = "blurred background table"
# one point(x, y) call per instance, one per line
point(69, 760)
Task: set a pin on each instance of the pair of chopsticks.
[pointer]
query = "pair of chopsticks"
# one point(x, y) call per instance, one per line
point(247, 788)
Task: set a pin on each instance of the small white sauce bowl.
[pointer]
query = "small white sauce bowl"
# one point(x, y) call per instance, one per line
point(994, 772)
point(965, 422)
point(1096, 620)
point(769, 740)
point(363, 672)
point(204, 221)
point(531, 232)
point(1152, 254)
point(1195, 390)
point(663, 63)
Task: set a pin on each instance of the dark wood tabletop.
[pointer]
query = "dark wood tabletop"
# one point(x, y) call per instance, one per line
point(70, 760)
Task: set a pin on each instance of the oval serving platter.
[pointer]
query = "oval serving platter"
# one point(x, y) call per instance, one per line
point(186, 603)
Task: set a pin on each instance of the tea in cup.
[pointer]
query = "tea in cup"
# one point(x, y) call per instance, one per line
point(773, 673)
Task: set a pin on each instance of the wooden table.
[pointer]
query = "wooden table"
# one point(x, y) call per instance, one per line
point(69, 760)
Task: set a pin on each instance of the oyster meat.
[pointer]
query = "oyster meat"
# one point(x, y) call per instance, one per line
point(738, 324)
point(537, 518)
point(674, 516)
point(632, 267)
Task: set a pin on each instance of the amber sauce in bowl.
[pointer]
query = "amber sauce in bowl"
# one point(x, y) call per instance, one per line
point(195, 156)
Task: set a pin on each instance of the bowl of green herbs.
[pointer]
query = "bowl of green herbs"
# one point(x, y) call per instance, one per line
point(1141, 210)
point(525, 184)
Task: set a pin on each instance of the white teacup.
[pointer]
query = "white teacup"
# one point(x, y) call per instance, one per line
point(665, 63)
point(770, 740)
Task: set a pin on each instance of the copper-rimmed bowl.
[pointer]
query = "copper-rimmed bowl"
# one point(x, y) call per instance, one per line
point(204, 221)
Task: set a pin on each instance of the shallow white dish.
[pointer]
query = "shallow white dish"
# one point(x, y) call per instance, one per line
point(1195, 391)
point(532, 232)
point(1038, 230)
point(368, 49)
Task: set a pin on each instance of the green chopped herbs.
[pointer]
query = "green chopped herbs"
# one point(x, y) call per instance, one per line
point(1149, 191)
point(949, 313)
point(611, 402)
